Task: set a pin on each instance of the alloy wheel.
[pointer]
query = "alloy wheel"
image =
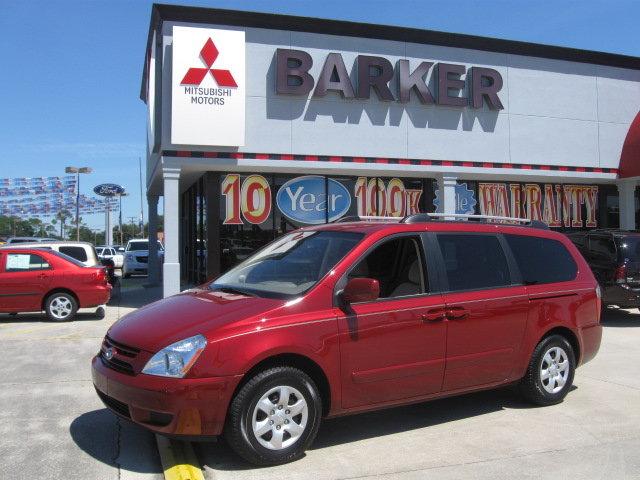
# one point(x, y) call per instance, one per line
point(60, 307)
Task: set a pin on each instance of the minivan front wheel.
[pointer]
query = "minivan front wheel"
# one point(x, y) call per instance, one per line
point(550, 373)
point(274, 417)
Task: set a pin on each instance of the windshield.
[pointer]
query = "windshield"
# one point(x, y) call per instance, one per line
point(289, 266)
point(141, 245)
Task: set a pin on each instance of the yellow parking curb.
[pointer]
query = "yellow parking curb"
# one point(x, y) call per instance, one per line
point(178, 459)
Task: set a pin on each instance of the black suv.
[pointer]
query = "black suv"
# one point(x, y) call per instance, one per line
point(614, 257)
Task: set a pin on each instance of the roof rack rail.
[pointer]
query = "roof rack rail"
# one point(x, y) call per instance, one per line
point(368, 218)
point(428, 217)
point(425, 217)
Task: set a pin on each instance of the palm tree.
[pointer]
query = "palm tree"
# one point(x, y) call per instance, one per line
point(62, 215)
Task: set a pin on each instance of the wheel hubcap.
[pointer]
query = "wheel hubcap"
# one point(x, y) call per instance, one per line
point(554, 370)
point(280, 417)
point(60, 307)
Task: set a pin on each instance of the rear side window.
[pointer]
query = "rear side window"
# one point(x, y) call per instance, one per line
point(20, 262)
point(78, 253)
point(474, 261)
point(542, 260)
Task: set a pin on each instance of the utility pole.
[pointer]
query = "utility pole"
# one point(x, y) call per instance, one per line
point(133, 226)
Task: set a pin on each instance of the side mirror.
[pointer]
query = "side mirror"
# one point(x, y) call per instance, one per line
point(361, 290)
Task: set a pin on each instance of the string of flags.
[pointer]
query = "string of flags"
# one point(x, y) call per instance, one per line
point(47, 196)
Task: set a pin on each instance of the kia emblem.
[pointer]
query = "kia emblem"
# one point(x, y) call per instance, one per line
point(108, 353)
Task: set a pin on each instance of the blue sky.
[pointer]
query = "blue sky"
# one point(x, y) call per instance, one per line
point(71, 69)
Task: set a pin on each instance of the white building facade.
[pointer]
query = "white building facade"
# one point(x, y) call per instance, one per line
point(259, 124)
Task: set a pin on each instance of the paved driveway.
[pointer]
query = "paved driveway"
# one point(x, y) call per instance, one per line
point(53, 426)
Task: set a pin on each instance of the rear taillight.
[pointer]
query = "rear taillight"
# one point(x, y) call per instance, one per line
point(100, 275)
point(620, 276)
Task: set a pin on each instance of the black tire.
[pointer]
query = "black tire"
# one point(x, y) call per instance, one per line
point(238, 429)
point(533, 387)
point(100, 313)
point(52, 310)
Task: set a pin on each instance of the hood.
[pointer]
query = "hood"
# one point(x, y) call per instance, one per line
point(166, 321)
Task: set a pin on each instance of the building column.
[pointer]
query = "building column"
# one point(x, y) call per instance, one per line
point(627, 203)
point(447, 194)
point(171, 271)
point(108, 227)
point(154, 262)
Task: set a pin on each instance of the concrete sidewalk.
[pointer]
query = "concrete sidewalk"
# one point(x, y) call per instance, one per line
point(52, 424)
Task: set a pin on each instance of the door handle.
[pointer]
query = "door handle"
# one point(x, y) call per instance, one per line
point(456, 313)
point(433, 316)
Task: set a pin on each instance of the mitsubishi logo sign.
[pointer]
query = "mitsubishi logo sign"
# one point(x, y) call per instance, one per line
point(208, 54)
point(208, 89)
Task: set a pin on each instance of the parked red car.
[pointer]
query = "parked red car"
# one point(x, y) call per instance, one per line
point(34, 279)
point(347, 317)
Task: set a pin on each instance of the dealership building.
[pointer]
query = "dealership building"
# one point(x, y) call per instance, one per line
point(259, 124)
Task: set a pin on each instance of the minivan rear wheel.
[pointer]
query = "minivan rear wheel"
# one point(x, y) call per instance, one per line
point(550, 373)
point(274, 417)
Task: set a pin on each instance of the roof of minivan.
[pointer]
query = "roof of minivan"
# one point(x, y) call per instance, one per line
point(370, 227)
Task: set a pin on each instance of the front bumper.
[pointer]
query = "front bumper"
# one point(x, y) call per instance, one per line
point(170, 406)
point(131, 266)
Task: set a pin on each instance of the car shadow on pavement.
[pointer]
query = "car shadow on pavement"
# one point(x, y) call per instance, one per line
point(116, 442)
point(42, 317)
point(617, 317)
point(342, 430)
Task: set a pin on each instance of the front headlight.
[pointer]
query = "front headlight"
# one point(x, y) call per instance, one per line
point(176, 359)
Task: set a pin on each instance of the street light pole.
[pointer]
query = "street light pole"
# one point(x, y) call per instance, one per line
point(78, 171)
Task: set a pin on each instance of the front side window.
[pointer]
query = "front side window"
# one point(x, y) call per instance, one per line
point(396, 265)
point(542, 260)
point(79, 253)
point(290, 265)
point(22, 262)
point(474, 261)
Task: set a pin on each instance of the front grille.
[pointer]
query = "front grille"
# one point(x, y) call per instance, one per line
point(119, 350)
point(122, 349)
point(115, 405)
point(142, 259)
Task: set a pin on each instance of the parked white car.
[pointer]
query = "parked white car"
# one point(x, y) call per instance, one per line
point(136, 257)
point(112, 253)
point(82, 251)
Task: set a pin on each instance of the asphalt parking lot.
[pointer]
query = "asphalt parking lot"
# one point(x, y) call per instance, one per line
point(54, 426)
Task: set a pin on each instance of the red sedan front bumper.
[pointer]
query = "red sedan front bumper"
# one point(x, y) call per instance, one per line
point(171, 406)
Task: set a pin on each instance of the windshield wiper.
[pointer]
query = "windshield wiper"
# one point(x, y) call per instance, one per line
point(233, 290)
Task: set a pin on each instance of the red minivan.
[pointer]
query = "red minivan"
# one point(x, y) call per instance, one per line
point(347, 317)
point(37, 279)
